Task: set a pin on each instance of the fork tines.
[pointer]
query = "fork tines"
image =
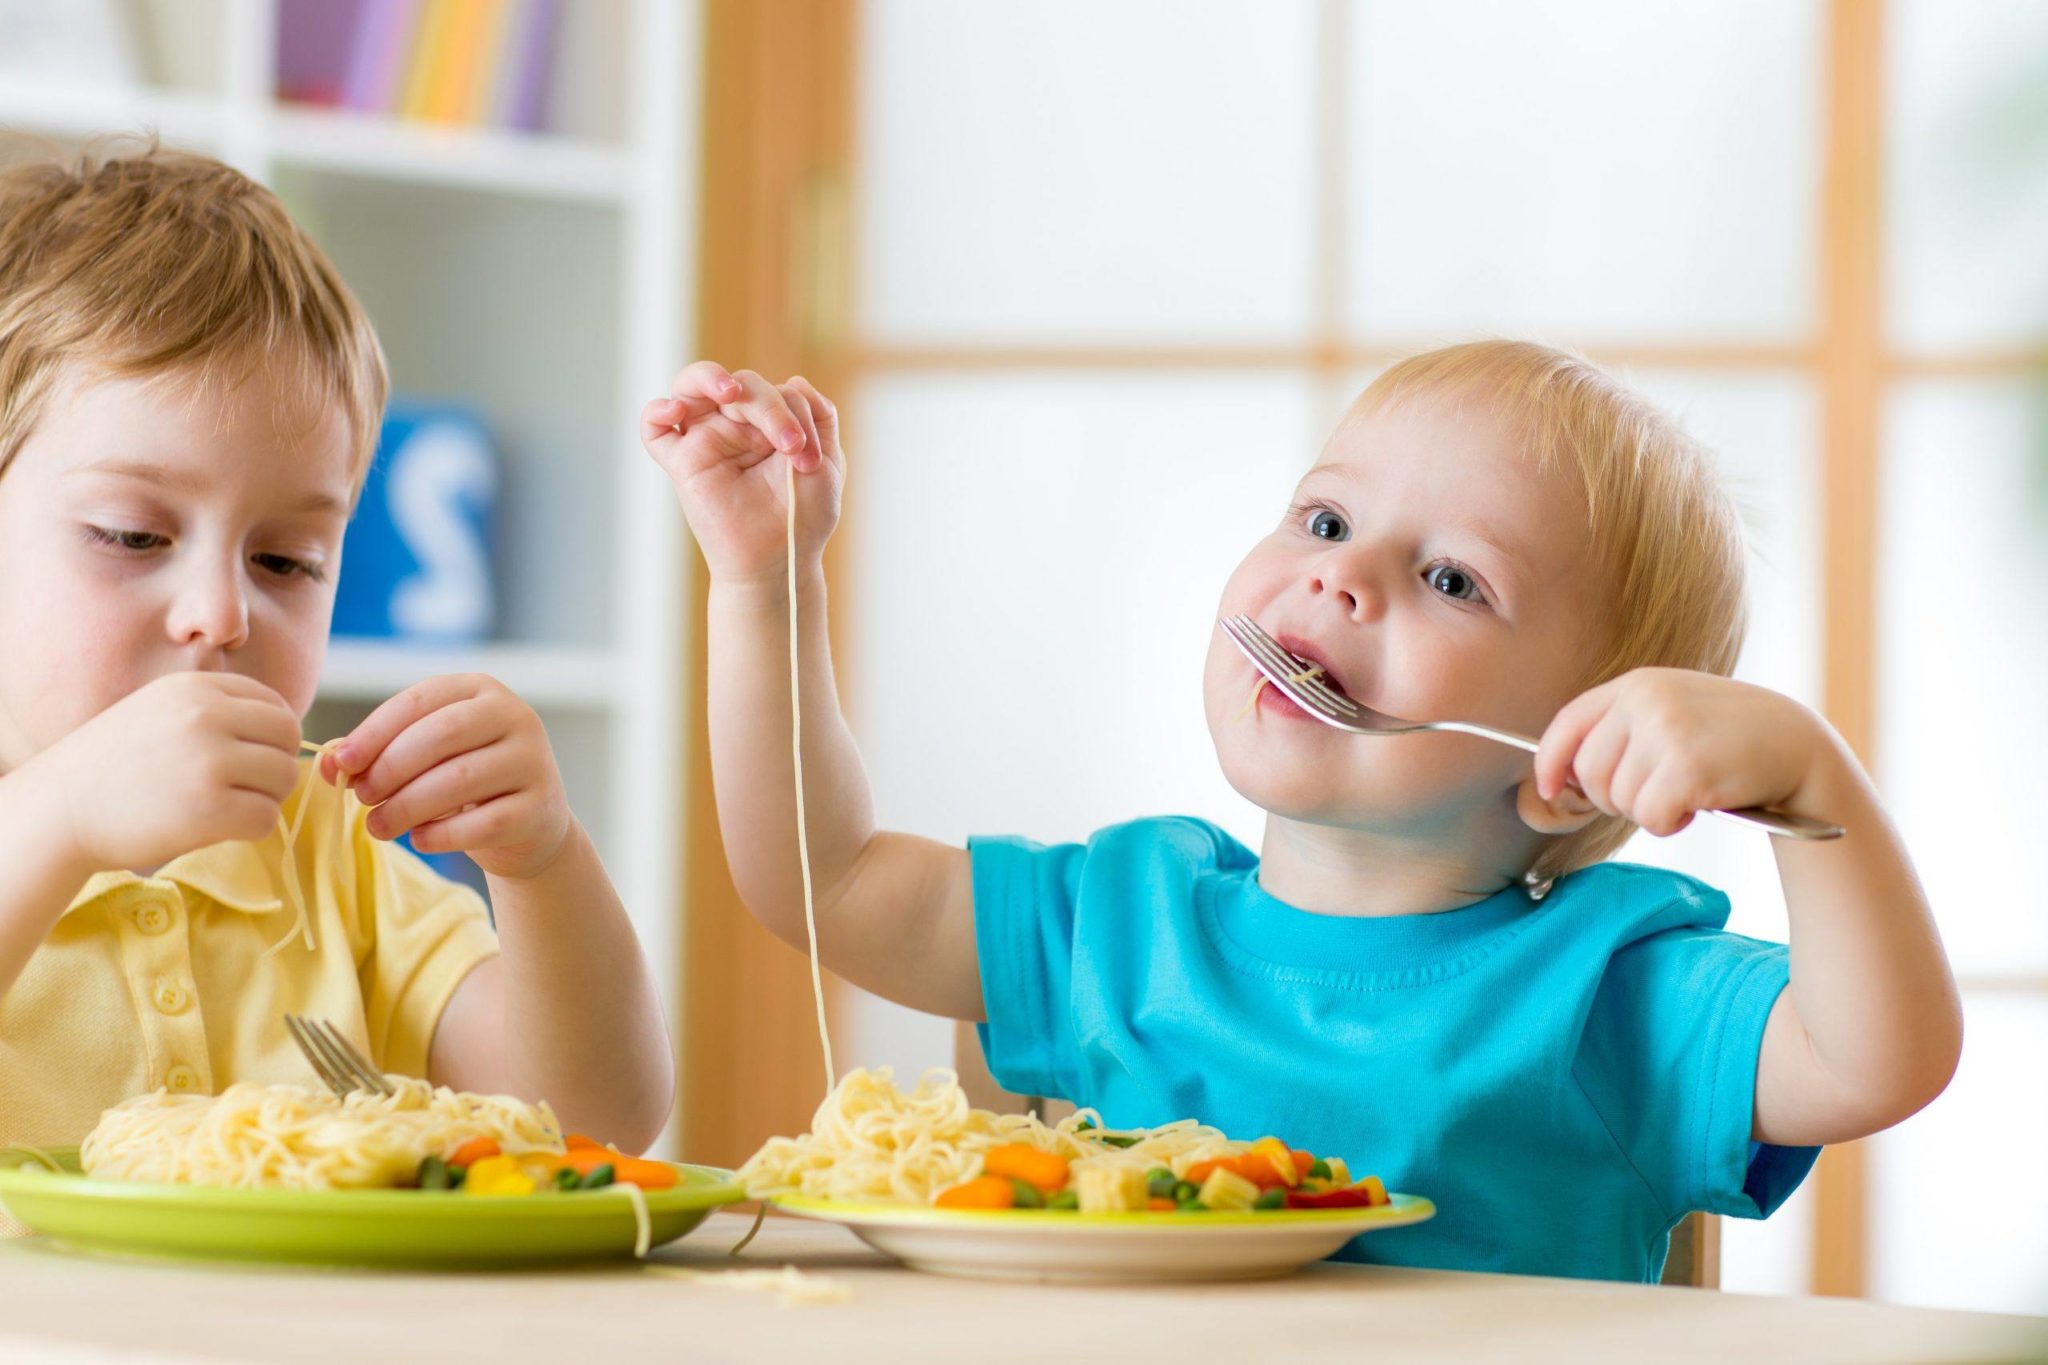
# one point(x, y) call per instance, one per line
point(334, 1058)
point(1284, 669)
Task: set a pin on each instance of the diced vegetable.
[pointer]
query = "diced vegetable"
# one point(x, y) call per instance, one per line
point(627, 1170)
point(1275, 1154)
point(1066, 1201)
point(1158, 1205)
point(473, 1151)
point(1183, 1190)
point(1271, 1199)
point(1024, 1194)
point(1340, 1174)
point(1318, 1169)
point(1044, 1171)
point(1120, 1139)
point(497, 1175)
point(597, 1177)
point(1372, 1186)
point(982, 1192)
point(1349, 1197)
point(577, 1142)
point(1192, 1206)
point(1110, 1189)
point(1161, 1186)
point(433, 1173)
point(567, 1179)
point(1228, 1190)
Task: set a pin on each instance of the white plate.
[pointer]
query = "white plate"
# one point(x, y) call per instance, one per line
point(1107, 1248)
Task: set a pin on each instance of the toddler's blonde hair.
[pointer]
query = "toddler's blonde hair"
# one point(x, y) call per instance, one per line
point(130, 260)
point(1666, 538)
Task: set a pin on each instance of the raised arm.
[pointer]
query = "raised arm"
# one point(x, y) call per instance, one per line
point(895, 913)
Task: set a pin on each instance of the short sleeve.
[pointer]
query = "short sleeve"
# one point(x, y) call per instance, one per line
point(1669, 1060)
point(1024, 915)
point(426, 934)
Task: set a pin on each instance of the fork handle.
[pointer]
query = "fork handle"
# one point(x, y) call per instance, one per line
point(1781, 823)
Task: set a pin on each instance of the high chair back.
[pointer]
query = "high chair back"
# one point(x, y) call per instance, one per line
point(1695, 1258)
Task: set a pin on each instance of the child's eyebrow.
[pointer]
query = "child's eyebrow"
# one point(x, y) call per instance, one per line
point(1479, 531)
point(186, 481)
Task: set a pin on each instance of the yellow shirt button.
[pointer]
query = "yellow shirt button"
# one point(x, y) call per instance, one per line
point(181, 1079)
point(170, 997)
point(152, 919)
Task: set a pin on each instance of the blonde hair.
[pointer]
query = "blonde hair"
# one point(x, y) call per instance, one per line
point(1666, 538)
point(137, 261)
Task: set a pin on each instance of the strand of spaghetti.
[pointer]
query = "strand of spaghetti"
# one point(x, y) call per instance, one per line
point(796, 745)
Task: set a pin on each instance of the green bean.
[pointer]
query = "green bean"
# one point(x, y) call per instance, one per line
point(1192, 1206)
point(598, 1177)
point(1066, 1201)
point(566, 1178)
point(1025, 1195)
point(1271, 1199)
point(1182, 1191)
point(1319, 1168)
point(433, 1174)
point(1161, 1186)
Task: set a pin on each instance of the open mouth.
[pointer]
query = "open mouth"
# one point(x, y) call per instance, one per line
point(1303, 650)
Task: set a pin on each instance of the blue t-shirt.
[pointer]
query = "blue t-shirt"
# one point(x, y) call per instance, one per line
point(1566, 1078)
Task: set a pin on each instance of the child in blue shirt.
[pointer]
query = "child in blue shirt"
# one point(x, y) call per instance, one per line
point(1426, 968)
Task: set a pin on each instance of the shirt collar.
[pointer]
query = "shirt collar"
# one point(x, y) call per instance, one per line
point(237, 876)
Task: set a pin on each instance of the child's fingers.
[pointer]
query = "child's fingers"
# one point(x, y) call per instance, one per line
point(824, 414)
point(1598, 756)
point(1665, 804)
point(263, 769)
point(436, 738)
point(360, 747)
point(257, 720)
point(1639, 762)
point(443, 790)
point(704, 385)
point(486, 825)
point(1563, 736)
point(812, 454)
point(762, 405)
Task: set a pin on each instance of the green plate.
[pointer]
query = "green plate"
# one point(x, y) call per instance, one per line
point(400, 1228)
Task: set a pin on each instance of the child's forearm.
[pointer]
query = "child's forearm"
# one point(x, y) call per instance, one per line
point(1871, 986)
point(41, 876)
point(582, 1025)
point(748, 686)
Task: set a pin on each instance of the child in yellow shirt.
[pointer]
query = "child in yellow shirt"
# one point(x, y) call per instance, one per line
point(189, 401)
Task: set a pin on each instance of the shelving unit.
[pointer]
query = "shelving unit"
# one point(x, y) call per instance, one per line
point(541, 279)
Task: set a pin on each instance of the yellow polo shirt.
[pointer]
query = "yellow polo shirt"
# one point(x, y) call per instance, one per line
point(162, 982)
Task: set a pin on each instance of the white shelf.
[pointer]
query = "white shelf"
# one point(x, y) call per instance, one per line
point(361, 670)
point(384, 148)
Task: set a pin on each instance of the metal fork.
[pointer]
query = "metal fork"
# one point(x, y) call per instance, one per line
point(1297, 679)
point(335, 1059)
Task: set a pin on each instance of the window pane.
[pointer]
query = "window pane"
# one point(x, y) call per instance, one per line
point(1075, 172)
point(1959, 1193)
point(1049, 548)
point(1963, 570)
point(1599, 169)
point(1967, 175)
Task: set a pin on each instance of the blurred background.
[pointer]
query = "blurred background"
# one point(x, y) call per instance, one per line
point(1091, 280)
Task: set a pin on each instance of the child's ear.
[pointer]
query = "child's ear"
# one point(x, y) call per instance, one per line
point(1568, 812)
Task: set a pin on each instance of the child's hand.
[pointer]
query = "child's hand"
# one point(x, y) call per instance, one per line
point(465, 765)
point(188, 760)
point(1659, 744)
point(726, 442)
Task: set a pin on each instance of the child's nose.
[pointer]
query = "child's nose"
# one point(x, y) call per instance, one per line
point(211, 609)
point(1350, 581)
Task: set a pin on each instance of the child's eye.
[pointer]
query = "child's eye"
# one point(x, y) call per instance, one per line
point(1453, 581)
point(284, 566)
point(1327, 525)
point(125, 540)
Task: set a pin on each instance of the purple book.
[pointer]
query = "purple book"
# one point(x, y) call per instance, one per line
point(377, 61)
point(521, 97)
point(315, 42)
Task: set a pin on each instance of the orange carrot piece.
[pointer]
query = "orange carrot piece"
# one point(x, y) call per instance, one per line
point(626, 1170)
point(1302, 1161)
point(1044, 1171)
point(982, 1192)
point(577, 1142)
point(1158, 1205)
point(473, 1151)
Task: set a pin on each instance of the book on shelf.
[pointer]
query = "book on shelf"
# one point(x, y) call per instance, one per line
point(469, 63)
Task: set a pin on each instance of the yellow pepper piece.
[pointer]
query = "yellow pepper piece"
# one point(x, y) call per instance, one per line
point(497, 1175)
point(1275, 1151)
point(1375, 1190)
point(1340, 1174)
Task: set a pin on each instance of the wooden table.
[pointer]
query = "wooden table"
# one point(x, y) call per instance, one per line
point(61, 1308)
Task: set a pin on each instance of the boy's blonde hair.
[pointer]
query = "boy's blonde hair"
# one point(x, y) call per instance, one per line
point(136, 261)
point(1665, 536)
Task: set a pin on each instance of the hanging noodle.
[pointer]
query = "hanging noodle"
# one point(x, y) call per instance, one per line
point(796, 745)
